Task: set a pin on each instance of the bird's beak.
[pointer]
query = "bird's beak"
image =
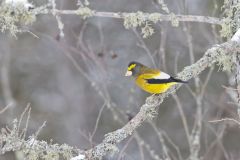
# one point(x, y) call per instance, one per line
point(128, 73)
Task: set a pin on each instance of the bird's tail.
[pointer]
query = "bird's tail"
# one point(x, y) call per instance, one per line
point(178, 80)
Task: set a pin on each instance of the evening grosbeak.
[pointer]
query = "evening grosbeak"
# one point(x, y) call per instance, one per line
point(151, 80)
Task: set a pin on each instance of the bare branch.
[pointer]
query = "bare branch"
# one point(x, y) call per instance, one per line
point(5, 108)
point(225, 119)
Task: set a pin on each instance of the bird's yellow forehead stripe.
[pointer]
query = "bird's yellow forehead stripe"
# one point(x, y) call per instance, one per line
point(131, 67)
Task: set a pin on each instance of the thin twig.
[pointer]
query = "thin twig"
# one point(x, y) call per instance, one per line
point(140, 145)
point(219, 135)
point(204, 86)
point(5, 79)
point(5, 108)
point(161, 139)
point(225, 119)
point(162, 45)
point(124, 148)
point(143, 45)
point(183, 118)
point(170, 141)
point(22, 115)
point(97, 121)
point(24, 132)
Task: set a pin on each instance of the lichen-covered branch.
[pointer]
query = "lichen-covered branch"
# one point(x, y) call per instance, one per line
point(148, 110)
point(11, 16)
point(136, 19)
point(12, 138)
point(87, 12)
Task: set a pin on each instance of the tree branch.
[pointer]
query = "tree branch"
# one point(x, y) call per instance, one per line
point(121, 15)
point(148, 110)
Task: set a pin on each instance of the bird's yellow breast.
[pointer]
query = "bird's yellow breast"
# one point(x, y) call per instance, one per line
point(153, 88)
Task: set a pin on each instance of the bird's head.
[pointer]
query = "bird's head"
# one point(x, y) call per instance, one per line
point(134, 69)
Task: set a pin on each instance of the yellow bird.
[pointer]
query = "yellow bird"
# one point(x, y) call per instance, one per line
point(151, 80)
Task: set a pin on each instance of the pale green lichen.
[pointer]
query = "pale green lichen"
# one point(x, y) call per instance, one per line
point(147, 30)
point(132, 20)
point(32, 149)
point(155, 17)
point(144, 20)
point(100, 150)
point(174, 20)
point(225, 62)
point(231, 19)
point(85, 12)
point(12, 17)
point(163, 5)
point(226, 30)
point(31, 155)
point(151, 113)
point(86, 3)
point(148, 108)
point(51, 154)
point(115, 137)
point(138, 19)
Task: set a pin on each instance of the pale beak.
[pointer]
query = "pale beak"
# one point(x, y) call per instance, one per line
point(128, 73)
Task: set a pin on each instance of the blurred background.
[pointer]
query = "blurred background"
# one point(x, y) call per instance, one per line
point(77, 85)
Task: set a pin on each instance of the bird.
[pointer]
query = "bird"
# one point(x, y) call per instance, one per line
point(151, 80)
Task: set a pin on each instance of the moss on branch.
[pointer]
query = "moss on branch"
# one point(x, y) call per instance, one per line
point(231, 20)
point(11, 17)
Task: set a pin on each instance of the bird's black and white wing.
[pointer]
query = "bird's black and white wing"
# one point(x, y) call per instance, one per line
point(162, 78)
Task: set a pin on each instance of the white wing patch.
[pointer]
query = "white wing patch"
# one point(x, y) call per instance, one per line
point(162, 75)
